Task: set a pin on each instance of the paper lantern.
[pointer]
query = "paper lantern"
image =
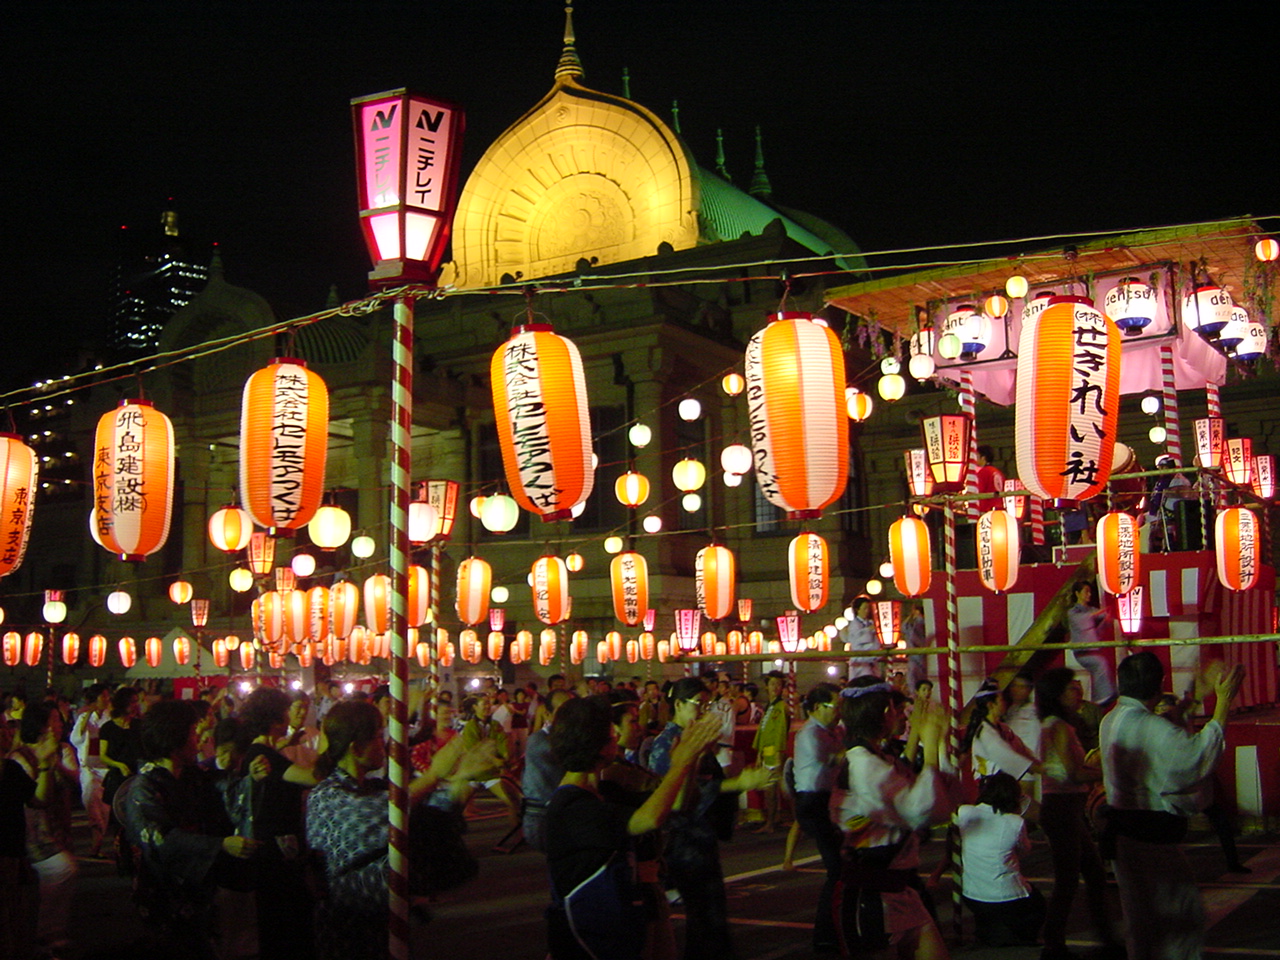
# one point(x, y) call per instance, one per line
point(1253, 342)
point(1207, 308)
point(221, 655)
point(240, 579)
point(1119, 561)
point(995, 306)
point(497, 643)
point(18, 475)
point(946, 448)
point(271, 616)
point(1209, 441)
point(423, 522)
point(524, 641)
point(182, 651)
point(422, 650)
point(689, 409)
point(297, 617)
point(857, 405)
point(499, 513)
point(500, 594)
point(419, 598)
point(574, 562)
point(153, 650)
point(648, 646)
point(1015, 504)
point(629, 584)
point(687, 621)
point(472, 601)
point(180, 592)
point(612, 544)
point(133, 480)
point(54, 609)
point(795, 383)
point(32, 647)
point(303, 564)
point(443, 495)
point(1238, 546)
point(330, 527)
point(631, 489)
point(119, 602)
point(1130, 305)
point(230, 528)
point(999, 550)
point(1130, 609)
point(715, 581)
point(1264, 476)
point(248, 656)
point(891, 387)
point(1266, 250)
point(261, 556)
point(97, 650)
point(286, 579)
point(363, 546)
point(578, 647)
point(708, 643)
point(377, 602)
point(12, 648)
point(886, 617)
point(128, 651)
point(1235, 330)
point(550, 590)
point(789, 632)
point(1016, 286)
point(70, 648)
point(497, 618)
point(807, 561)
point(284, 440)
point(1237, 461)
point(732, 384)
point(735, 458)
point(633, 651)
point(919, 476)
point(689, 475)
point(909, 552)
point(544, 427)
point(1067, 400)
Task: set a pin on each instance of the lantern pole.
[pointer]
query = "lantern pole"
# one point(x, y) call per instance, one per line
point(398, 767)
point(953, 676)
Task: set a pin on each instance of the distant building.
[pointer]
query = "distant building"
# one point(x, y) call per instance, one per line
point(156, 275)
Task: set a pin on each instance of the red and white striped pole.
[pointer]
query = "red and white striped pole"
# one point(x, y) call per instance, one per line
point(1036, 507)
point(398, 764)
point(954, 688)
point(1169, 402)
point(969, 405)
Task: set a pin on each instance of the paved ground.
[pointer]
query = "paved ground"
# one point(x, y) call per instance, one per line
point(500, 914)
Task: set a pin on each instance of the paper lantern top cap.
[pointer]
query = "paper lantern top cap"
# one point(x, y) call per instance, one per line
point(296, 361)
point(1055, 298)
point(795, 315)
point(135, 403)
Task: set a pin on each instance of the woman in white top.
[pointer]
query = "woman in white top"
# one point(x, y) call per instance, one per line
point(993, 746)
point(1066, 773)
point(1007, 909)
point(882, 911)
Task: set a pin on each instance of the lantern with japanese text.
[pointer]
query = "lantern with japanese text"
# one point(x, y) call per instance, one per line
point(18, 473)
point(1209, 442)
point(443, 495)
point(1263, 480)
point(377, 602)
point(12, 644)
point(230, 529)
point(999, 550)
point(789, 632)
point(550, 589)
point(1129, 606)
point(133, 480)
point(271, 616)
point(1067, 400)
point(946, 447)
point(284, 440)
point(1207, 308)
point(1130, 305)
point(687, 621)
point(318, 623)
point(909, 552)
point(795, 393)
point(128, 651)
point(807, 562)
point(919, 476)
point(97, 650)
point(544, 428)
point(408, 149)
point(475, 578)
point(886, 617)
point(1238, 546)
point(344, 607)
point(419, 598)
point(715, 581)
point(629, 584)
point(261, 553)
point(1015, 504)
point(1237, 461)
point(1119, 560)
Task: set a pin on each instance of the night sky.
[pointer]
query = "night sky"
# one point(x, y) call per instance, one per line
point(905, 123)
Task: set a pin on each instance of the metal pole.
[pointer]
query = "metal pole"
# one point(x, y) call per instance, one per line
point(398, 765)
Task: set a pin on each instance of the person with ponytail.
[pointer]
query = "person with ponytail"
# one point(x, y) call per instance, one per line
point(347, 823)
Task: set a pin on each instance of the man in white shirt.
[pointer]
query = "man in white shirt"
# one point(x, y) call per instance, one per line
point(84, 737)
point(819, 754)
point(1153, 770)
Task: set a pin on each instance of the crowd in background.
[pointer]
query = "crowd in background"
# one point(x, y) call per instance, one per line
point(259, 826)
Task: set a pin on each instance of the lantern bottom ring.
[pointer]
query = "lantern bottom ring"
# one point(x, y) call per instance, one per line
point(803, 514)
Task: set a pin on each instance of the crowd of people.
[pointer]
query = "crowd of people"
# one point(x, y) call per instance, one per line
point(260, 827)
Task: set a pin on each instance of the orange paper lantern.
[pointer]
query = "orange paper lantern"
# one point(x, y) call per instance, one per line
point(344, 607)
point(544, 428)
point(32, 647)
point(128, 651)
point(182, 650)
point(12, 648)
point(153, 650)
point(475, 578)
point(799, 435)
point(550, 590)
point(1238, 547)
point(1067, 400)
point(230, 529)
point(715, 581)
point(248, 656)
point(132, 480)
point(221, 655)
point(18, 473)
point(807, 561)
point(632, 489)
point(419, 598)
point(377, 603)
point(97, 650)
point(297, 617)
point(318, 614)
point(1119, 561)
point(999, 550)
point(910, 556)
point(629, 581)
point(284, 439)
point(578, 647)
point(70, 648)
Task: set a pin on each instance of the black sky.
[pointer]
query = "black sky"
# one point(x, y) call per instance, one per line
point(906, 123)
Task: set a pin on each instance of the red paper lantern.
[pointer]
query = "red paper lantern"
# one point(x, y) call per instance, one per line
point(133, 480)
point(789, 632)
point(32, 647)
point(475, 578)
point(284, 439)
point(230, 529)
point(578, 647)
point(550, 590)
point(221, 655)
point(544, 427)
point(377, 603)
point(153, 649)
point(128, 651)
point(715, 581)
point(70, 648)
point(1119, 560)
point(1238, 547)
point(1067, 400)
point(12, 648)
point(297, 617)
point(1130, 608)
point(419, 598)
point(909, 553)
point(182, 650)
point(344, 608)
point(999, 550)
point(318, 614)
point(807, 563)
point(946, 447)
point(799, 435)
point(97, 650)
point(1264, 476)
point(629, 583)
point(248, 656)
point(886, 615)
point(686, 634)
point(18, 474)
point(1237, 461)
